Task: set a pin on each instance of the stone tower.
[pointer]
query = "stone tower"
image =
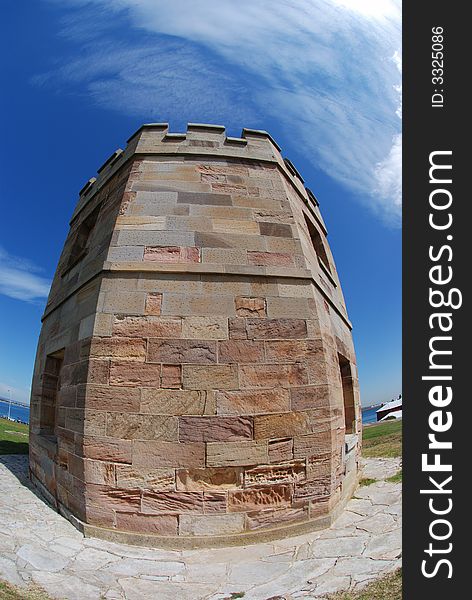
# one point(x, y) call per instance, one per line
point(195, 380)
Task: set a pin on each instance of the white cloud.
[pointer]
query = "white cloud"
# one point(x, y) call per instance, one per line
point(389, 181)
point(19, 279)
point(327, 69)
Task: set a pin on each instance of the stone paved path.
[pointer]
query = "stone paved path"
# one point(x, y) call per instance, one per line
point(38, 545)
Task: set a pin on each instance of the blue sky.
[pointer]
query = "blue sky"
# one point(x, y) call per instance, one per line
point(323, 76)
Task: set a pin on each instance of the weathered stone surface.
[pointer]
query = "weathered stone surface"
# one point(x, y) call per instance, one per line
point(380, 468)
point(280, 425)
point(103, 324)
point(387, 546)
point(219, 377)
point(98, 372)
point(255, 498)
point(130, 426)
point(107, 398)
point(204, 199)
point(215, 502)
point(107, 449)
point(118, 302)
point(205, 328)
point(315, 489)
point(235, 226)
point(147, 327)
point(182, 351)
point(280, 351)
point(270, 259)
point(116, 347)
point(272, 375)
point(310, 397)
point(272, 329)
point(172, 502)
point(200, 305)
point(311, 444)
point(142, 523)
point(214, 429)
point(173, 402)
point(240, 351)
point(128, 476)
point(172, 254)
point(88, 422)
point(39, 558)
point(273, 518)
point(250, 307)
point(119, 499)
point(153, 304)
point(145, 589)
point(211, 524)
point(67, 396)
point(280, 450)
point(237, 329)
point(221, 454)
point(92, 471)
point(171, 377)
point(228, 256)
point(270, 474)
point(275, 229)
point(168, 454)
point(322, 463)
point(139, 237)
point(253, 402)
point(209, 479)
point(135, 374)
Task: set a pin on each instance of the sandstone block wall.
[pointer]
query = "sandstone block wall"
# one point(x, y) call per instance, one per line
point(195, 376)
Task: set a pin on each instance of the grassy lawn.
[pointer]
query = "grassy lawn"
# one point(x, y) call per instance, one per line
point(397, 478)
point(13, 439)
point(9, 592)
point(382, 439)
point(366, 481)
point(386, 588)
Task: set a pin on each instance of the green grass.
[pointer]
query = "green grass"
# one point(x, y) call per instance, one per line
point(365, 481)
point(382, 440)
point(13, 438)
point(397, 478)
point(381, 429)
point(385, 588)
point(10, 592)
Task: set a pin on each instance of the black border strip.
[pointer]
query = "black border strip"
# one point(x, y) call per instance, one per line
point(435, 124)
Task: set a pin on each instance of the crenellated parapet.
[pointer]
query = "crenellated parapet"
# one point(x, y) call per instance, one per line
point(204, 140)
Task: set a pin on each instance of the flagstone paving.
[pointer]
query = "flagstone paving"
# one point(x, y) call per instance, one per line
point(39, 546)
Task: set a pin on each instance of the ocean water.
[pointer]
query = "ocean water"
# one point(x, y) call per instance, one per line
point(369, 415)
point(19, 413)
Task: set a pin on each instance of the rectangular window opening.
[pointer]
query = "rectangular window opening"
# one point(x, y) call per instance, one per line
point(318, 244)
point(51, 384)
point(81, 241)
point(348, 394)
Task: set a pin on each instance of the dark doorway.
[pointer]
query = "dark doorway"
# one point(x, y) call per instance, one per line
point(348, 394)
point(50, 390)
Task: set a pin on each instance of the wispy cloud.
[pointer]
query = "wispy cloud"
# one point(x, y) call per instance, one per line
point(17, 394)
point(327, 69)
point(20, 279)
